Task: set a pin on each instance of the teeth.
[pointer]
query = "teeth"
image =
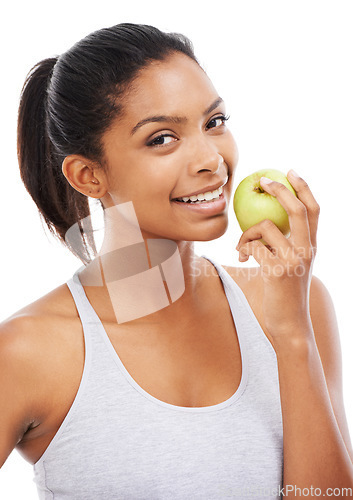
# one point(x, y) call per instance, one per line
point(210, 195)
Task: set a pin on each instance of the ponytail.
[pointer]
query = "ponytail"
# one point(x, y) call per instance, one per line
point(59, 204)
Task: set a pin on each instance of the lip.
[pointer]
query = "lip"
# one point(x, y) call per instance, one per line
point(206, 208)
point(203, 190)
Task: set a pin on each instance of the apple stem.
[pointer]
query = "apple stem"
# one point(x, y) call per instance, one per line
point(259, 189)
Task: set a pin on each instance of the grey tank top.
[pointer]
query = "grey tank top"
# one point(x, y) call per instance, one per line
point(119, 442)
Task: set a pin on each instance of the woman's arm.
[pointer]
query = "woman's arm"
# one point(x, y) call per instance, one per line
point(299, 321)
point(17, 384)
point(317, 447)
point(323, 318)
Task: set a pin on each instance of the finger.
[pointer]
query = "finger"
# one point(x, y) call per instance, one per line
point(261, 254)
point(305, 195)
point(266, 230)
point(296, 210)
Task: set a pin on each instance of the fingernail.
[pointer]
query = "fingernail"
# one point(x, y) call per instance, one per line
point(265, 180)
point(294, 173)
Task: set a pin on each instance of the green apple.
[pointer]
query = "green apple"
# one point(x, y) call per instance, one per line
point(252, 204)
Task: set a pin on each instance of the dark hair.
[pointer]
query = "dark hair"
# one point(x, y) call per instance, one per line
point(66, 105)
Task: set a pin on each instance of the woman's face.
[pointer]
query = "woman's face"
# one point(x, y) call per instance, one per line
point(171, 142)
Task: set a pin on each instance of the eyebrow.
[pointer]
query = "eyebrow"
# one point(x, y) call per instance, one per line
point(174, 119)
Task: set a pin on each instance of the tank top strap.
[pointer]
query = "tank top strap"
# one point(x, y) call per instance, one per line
point(85, 310)
point(237, 297)
point(232, 290)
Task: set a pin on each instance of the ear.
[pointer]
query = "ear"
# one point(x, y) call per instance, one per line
point(85, 176)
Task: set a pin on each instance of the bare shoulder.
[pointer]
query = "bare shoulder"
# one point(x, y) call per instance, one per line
point(31, 337)
point(39, 328)
point(41, 359)
point(57, 302)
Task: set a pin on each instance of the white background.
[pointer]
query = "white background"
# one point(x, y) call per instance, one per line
point(284, 70)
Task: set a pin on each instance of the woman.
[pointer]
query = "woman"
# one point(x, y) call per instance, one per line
point(154, 372)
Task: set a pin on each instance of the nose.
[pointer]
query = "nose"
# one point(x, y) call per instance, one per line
point(204, 156)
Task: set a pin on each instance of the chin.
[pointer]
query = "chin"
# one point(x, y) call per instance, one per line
point(207, 230)
point(219, 228)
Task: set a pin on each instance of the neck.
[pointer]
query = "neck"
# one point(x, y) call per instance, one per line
point(143, 275)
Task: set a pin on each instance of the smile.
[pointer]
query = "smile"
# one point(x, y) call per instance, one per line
point(213, 206)
point(201, 197)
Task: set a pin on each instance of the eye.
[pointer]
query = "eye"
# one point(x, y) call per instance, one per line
point(161, 140)
point(217, 121)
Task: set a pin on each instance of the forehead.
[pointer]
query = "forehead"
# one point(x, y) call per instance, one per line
point(169, 86)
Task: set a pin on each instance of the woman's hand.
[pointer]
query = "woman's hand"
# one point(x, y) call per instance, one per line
point(286, 263)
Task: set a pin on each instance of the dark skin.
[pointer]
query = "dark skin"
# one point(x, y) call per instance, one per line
point(195, 151)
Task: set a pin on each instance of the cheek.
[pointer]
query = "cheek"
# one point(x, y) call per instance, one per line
point(153, 190)
point(230, 152)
